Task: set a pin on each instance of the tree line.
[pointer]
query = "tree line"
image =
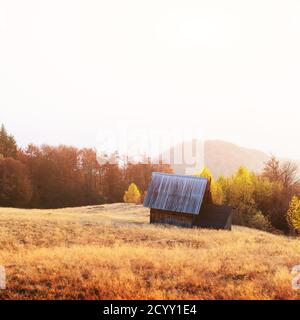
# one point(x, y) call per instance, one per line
point(53, 177)
point(268, 201)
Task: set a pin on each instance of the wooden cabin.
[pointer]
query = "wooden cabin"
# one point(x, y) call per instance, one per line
point(185, 201)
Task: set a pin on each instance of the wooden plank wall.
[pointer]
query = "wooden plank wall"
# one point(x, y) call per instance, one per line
point(173, 218)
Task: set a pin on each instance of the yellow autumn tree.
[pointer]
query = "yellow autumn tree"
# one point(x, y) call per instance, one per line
point(205, 173)
point(216, 189)
point(293, 215)
point(242, 188)
point(132, 195)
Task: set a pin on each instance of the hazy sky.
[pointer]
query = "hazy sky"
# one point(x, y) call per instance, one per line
point(74, 71)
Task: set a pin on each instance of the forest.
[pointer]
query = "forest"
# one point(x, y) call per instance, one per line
point(64, 176)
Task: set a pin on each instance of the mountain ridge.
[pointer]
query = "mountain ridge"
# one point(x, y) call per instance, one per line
point(221, 157)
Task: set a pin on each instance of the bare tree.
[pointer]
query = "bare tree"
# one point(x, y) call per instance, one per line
point(289, 174)
point(272, 169)
point(285, 173)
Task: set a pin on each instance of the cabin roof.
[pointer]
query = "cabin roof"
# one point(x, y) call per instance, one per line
point(176, 193)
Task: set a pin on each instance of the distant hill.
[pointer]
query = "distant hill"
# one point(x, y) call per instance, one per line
point(221, 157)
point(225, 158)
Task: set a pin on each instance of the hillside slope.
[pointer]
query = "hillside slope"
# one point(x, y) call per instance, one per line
point(221, 157)
point(111, 252)
point(225, 158)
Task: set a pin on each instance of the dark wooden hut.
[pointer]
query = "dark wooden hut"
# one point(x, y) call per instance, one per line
point(185, 201)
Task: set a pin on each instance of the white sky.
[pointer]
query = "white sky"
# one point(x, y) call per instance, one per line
point(71, 71)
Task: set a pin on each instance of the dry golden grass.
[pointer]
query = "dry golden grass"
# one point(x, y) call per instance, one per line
point(111, 252)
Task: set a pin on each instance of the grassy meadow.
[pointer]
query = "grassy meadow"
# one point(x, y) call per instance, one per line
point(112, 252)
